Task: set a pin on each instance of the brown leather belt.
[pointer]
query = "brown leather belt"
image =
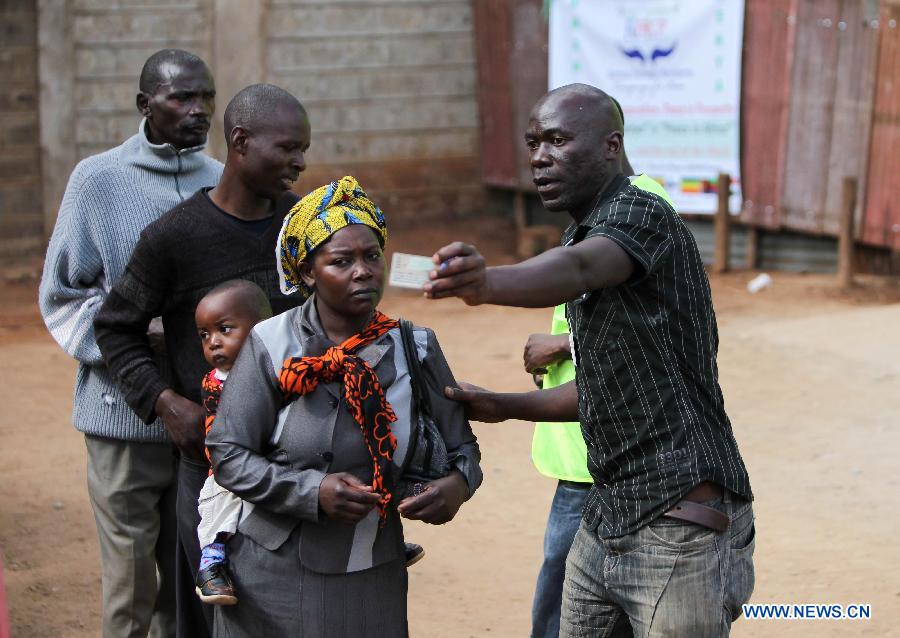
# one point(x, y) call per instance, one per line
point(691, 509)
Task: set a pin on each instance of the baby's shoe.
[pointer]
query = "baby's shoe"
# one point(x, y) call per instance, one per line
point(214, 585)
point(414, 553)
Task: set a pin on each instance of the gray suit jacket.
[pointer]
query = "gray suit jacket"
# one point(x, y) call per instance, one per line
point(275, 457)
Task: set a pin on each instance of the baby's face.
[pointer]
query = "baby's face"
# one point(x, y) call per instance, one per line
point(222, 328)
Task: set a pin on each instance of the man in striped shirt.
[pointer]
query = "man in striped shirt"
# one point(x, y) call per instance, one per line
point(667, 534)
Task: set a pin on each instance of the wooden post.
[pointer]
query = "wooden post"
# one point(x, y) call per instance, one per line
point(751, 258)
point(4, 611)
point(531, 239)
point(722, 225)
point(845, 232)
point(520, 212)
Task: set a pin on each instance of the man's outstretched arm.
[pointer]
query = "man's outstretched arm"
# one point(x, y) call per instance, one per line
point(553, 277)
point(556, 404)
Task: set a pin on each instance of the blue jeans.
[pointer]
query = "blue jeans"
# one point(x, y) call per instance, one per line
point(562, 524)
point(669, 578)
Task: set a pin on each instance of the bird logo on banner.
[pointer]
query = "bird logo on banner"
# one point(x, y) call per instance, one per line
point(637, 54)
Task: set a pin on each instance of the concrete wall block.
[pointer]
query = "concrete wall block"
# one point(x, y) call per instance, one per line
point(19, 128)
point(117, 95)
point(321, 54)
point(417, 203)
point(111, 5)
point(14, 248)
point(91, 148)
point(356, 84)
point(18, 225)
point(95, 5)
point(17, 25)
point(18, 162)
point(398, 114)
point(373, 51)
point(171, 4)
point(21, 199)
point(165, 27)
point(18, 63)
point(18, 98)
point(105, 129)
point(399, 175)
point(320, 3)
point(341, 21)
point(431, 204)
point(125, 61)
point(26, 6)
point(333, 148)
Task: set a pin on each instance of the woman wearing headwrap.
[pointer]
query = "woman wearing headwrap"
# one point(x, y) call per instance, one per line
point(312, 432)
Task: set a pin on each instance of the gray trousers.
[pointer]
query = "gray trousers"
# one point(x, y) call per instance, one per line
point(132, 490)
point(194, 619)
point(279, 597)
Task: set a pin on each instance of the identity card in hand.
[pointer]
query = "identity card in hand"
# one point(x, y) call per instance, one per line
point(410, 271)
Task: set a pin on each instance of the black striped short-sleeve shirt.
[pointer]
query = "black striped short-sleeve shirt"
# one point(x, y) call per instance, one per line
point(650, 405)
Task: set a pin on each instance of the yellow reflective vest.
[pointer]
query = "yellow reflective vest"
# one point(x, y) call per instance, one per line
point(558, 449)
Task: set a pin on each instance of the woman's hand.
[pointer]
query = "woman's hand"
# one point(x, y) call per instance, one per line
point(345, 498)
point(439, 502)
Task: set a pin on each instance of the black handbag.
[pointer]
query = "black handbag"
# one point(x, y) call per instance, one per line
point(427, 457)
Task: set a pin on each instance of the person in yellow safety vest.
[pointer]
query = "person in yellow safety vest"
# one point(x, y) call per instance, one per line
point(558, 451)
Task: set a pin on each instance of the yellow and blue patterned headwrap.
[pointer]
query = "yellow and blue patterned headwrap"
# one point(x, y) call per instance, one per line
point(314, 219)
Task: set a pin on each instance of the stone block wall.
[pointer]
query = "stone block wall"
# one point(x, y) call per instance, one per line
point(111, 41)
point(21, 215)
point(390, 86)
point(90, 56)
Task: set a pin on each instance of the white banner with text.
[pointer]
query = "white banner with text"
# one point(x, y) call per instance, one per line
point(675, 67)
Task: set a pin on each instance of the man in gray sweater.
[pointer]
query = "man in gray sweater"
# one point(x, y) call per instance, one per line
point(131, 466)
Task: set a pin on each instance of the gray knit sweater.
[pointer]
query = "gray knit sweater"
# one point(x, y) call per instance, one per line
point(109, 200)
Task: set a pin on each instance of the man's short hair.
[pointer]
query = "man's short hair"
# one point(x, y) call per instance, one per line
point(253, 105)
point(246, 297)
point(152, 73)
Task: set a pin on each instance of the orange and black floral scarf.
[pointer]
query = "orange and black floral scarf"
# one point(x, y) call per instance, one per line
point(363, 393)
point(211, 391)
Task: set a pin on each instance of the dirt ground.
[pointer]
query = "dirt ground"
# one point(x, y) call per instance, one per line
point(811, 378)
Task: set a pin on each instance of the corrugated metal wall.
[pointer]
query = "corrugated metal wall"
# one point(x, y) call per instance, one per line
point(819, 102)
point(764, 107)
point(512, 75)
point(493, 35)
point(529, 80)
point(881, 223)
point(777, 250)
point(832, 90)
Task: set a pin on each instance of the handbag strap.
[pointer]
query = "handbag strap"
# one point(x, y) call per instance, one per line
point(416, 378)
